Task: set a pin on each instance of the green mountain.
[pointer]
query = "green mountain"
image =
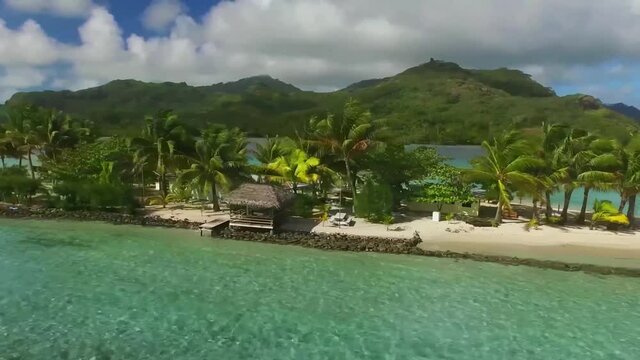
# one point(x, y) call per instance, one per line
point(437, 102)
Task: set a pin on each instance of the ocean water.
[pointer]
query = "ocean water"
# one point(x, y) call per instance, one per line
point(98, 291)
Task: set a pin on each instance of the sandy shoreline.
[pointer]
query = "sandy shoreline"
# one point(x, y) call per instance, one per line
point(567, 244)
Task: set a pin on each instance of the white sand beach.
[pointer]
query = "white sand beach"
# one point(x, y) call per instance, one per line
point(568, 244)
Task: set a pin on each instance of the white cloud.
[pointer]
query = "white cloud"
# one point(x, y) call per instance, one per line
point(161, 14)
point(327, 44)
point(20, 77)
point(69, 8)
point(27, 45)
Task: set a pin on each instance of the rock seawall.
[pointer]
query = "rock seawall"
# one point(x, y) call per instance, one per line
point(110, 217)
point(341, 242)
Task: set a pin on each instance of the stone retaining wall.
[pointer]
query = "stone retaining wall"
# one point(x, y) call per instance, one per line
point(110, 217)
point(343, 242)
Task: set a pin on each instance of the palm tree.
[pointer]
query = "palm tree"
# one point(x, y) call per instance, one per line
point(628, 183)
point(632, 185)
point(296, 167)
point(573, 157)
point(602, 161)
point(57, 131)
point(505, 167)
point(22, 134)
point(158, 142)
point(268, 152)
point(140, 162)
point(5, 146)
point(220, 158)
point(271, 149)
point(345, 138)
point(553, 136)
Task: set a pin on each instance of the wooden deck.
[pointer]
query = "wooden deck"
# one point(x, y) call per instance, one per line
point(213, 225)
point(248, 221)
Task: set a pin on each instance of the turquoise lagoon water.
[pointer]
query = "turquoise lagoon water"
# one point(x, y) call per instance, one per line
point(97, 291)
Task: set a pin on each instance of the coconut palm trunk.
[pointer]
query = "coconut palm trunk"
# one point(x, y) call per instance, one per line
point(163, 187)
point(535, 214)
point(548, 212)
point(565, 208)
point(623, 202)
point(631, 212)
point(351, 182)
point(498, 217)
point(214, 197)
point(583, 209)
point(33, 175)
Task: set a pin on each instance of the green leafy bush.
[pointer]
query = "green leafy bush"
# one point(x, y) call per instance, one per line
point(374, 202)
point(481, 222)
point(94, 196)
point(554, 220)
point(303, 206)
point(16, 186)
point(605, 212)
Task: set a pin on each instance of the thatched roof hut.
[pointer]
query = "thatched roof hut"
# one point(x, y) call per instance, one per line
point(259, 196)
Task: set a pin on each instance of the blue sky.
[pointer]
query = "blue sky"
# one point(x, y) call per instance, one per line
point(127, 12)
point(586, 46)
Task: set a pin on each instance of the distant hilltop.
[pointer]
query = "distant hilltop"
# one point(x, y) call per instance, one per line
point(436, 102)
point(627, 110)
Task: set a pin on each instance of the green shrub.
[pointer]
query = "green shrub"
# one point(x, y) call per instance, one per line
point(605, 212)
point(554, 220)
point(481, 222)
point(374, 202)
point(532, 224)
point(303, 206)
point(16, 186)
point(94, 196)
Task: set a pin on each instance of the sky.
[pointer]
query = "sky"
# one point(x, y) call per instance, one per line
point(574, 46)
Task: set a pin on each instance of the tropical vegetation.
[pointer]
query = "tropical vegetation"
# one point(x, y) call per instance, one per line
point(60, 161)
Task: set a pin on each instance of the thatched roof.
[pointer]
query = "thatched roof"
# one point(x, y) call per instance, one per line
point(259, 196)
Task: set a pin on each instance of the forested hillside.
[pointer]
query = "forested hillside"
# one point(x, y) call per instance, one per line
point(437, 102)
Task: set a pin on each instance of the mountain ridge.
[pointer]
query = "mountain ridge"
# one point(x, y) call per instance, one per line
point(435, 102)
point(624, 109)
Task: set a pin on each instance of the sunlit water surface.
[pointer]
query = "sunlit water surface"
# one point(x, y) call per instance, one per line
point(88, 290)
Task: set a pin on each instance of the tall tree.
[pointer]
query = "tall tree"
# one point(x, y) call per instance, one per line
point(627, 182)
point(602, 162)
point(160, 137)
point(295, 168)
point(573, 155)
point(6, 148)
point(21, 130)
point(504, 167)
point(553, 136)
point(56, 131)
point(220, 159)
point(345, 138)
point(268, 152)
